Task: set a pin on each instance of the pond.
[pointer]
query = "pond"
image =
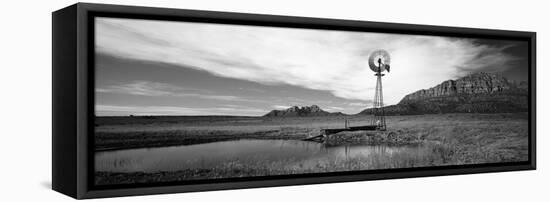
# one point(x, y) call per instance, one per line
point(210, 155)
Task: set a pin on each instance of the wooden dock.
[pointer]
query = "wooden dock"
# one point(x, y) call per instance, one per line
point(326, 132)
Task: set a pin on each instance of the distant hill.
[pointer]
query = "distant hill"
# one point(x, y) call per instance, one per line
point(296, 111)
point(475, 93)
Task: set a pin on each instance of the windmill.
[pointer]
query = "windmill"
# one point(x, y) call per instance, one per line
point(379, 61)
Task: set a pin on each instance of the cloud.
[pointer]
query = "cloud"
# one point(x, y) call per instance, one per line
point(148, 88)
point(144, 88)
point(359, 104)
point(333, 61)
point(109, 110)
point(489, 59)
point(280, 106)
point(335, 109)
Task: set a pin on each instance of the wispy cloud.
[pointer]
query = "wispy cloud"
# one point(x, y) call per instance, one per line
point(108, 110)
point(489, 58)
point(335, 109)
point(145, 88)
point(280, 107)
point(334, 61)
point(148, 88)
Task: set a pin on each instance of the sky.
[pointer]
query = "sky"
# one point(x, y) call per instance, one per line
point(153, 67)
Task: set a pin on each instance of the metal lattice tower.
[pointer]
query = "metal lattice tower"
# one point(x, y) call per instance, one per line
point(379, 116)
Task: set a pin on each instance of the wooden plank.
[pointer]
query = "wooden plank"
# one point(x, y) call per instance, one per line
point(330, 131)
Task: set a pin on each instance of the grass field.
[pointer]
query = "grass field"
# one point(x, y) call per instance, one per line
point(449, 139)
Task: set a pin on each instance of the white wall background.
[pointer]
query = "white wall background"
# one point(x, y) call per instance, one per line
point(25, 82)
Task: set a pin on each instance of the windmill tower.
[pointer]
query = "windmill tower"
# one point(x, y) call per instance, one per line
point(379, 61)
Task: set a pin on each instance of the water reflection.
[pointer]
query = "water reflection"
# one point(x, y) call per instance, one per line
point(218, 153)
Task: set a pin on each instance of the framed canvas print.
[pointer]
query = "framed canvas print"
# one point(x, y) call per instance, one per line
point(153, 100)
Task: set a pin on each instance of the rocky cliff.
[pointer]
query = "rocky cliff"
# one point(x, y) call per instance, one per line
point(475, 93)
point(296, 111)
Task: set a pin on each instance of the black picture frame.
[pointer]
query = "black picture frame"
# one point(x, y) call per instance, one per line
point(73, 99)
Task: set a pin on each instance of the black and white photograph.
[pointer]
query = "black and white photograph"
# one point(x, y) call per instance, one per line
point(275, 101)
point(180, 101)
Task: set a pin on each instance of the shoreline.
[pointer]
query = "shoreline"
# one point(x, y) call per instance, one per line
point(171, 139)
